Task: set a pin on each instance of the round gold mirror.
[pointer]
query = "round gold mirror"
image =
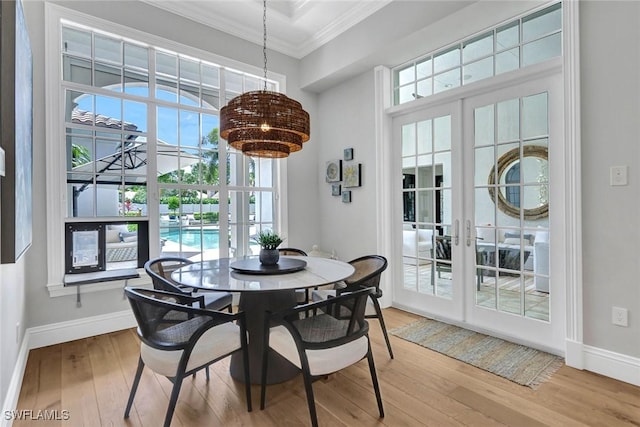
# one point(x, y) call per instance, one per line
point(510, 165)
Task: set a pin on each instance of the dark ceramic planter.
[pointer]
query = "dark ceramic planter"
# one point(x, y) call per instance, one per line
point(269, 256)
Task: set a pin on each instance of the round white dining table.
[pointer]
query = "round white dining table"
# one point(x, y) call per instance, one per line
point(260, 293)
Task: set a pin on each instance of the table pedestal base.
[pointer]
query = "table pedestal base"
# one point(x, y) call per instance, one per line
point(254, 305)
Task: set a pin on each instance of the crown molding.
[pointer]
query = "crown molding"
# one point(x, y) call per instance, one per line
point(292, 40)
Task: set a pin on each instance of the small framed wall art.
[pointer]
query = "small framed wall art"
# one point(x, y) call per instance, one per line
point(352, 175)
point(348, 154)
point(335, 189)
point(334, 171)
point(346, 197)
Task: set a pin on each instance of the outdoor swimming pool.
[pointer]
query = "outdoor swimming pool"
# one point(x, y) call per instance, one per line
point(209, 239)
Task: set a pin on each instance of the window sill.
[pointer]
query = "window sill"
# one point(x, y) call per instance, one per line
point(60, 290)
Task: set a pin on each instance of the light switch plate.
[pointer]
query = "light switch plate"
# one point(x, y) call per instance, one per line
point(618, 175)
point(2, 170)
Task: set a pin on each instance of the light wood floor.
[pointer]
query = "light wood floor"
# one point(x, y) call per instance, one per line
point(90, 378)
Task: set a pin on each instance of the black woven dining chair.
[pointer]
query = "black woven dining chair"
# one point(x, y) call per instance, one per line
point(178, 339)
point(160, 269)
point(321, 338)
point(368, 270)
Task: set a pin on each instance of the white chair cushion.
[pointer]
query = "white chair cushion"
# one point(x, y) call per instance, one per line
point(216, 342)
point(323, 294)
point(321, 362)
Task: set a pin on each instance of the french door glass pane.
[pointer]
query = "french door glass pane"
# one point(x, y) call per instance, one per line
point(484, 126)
point(427, 211)
point(508, 120)
point(511, 267)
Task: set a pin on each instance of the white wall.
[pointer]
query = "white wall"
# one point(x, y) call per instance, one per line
point(346, 120)
point(610, 90)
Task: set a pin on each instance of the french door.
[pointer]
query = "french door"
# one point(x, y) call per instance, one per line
point(477, 209)
point(430, 152)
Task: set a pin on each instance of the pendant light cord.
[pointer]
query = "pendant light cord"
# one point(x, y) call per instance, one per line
point(264, 41)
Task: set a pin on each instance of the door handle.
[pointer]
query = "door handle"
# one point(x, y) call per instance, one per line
point(468, 233)
point(456, 235)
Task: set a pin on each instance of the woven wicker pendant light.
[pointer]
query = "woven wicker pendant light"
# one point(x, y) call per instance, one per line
point(263, 123)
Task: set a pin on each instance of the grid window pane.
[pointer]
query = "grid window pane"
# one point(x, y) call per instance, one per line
point(508, 120)
point(508, 36)
point(424, 68)
point(167, 64)
point(535, 116)
point(541, 50)
point(136, 83)
point(478, 70)
point(445, 60)
point(189, 70)
point(425, 87)
point(406, 93)
point(76, 70)
point(405, 75)
point(508, 61)
point(108, 49)
point(210, 75)
point(477, 48)
point(544, 22)
point(522, 42)
point(108, 77)
point(76, 42)
point(484, 125)
point(446, 81)
point(136, 56)
point(408, 140)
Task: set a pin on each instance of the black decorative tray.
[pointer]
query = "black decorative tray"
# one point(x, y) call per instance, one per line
point(253, 266)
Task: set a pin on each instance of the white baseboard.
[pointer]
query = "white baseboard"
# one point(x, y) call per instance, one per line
point(604, 362)
point(574, 354)
point(13, 392)
point(57, 333)
point(613, 365)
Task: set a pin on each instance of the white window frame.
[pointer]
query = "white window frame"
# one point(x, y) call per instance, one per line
point(460, 44)
point(56, 187)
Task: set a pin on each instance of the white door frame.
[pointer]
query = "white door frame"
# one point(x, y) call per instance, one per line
point(390, 243)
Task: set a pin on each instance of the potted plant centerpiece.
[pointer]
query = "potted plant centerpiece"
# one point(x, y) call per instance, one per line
point(269, 242)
